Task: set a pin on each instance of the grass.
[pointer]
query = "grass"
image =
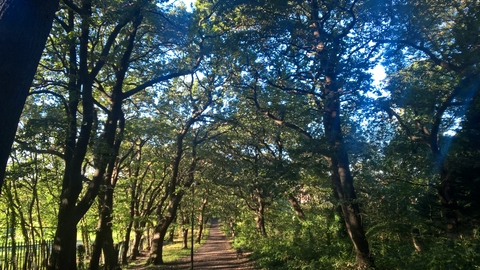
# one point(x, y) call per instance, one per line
point(173, 251)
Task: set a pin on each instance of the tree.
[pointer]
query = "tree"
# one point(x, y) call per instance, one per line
point(88, 93)
point(198, 99)
point(434, 38)
point(24, 28)
point(316, 51)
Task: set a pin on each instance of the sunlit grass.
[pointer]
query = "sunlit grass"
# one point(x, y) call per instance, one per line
point(173, 251)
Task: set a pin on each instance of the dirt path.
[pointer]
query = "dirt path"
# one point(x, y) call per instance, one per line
point(216, 253)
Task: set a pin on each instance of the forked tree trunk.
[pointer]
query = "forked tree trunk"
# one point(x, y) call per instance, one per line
point(174, 196)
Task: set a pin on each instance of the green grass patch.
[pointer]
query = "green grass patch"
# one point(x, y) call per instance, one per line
point(173, 251)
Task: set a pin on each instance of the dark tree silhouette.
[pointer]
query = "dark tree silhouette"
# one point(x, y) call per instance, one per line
point(24, 27)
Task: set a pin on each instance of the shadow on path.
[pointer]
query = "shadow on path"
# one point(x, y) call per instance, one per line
point(216, 253)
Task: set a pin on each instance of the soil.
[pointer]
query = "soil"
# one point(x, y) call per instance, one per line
point(216, 253)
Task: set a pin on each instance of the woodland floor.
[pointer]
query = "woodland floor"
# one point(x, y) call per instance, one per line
point(216, 253)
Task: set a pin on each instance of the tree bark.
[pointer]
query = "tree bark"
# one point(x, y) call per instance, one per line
point(328, 59)
point(162, 227)
point(64, 247)
point(139, 228)
point(296, 206)
point(24, 28)
point(113, 140)
point(175, 196)
point(260, 218)
point(126, 242)
point(104, 240)
point(201, 220)
point(184, 238)
point(341, 177)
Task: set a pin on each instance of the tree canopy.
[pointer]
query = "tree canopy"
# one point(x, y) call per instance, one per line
point(263, 113)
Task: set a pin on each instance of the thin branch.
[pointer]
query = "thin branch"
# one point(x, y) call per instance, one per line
point(62, 98)
point(39, 151)
point(74, 7)
point(425, 50)
point(275, 119)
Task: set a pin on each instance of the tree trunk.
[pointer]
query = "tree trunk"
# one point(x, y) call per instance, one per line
point(231, 224)
point(296, 206)
point(185, 224)
point(139, 228)
point(25, 26)
point(171, 235)
point(126, 242)
point(446, 193)
point(174, 196)
point(161, 229)
point(133, 210)
point(342, 179)
point(64, 245)
point(85, 238)
point(184, 238)
point(104, 240)
point(260, 218)
point(201, 220)
point(156, 252)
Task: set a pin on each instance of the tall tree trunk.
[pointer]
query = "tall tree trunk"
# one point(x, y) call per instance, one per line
point(446, 193)
point(104, 237)
point(64, 246)
point(13, 238)
point(85, 238)
point(328, 59)
point(185, 224)
point(156, 252)
point(133, 210)
point(342, 179)
point(174, 196)
point(25, 26)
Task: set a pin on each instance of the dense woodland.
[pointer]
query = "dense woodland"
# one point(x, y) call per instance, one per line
point(263, 113)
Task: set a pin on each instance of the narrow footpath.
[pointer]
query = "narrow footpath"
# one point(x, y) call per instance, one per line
point(216, 253)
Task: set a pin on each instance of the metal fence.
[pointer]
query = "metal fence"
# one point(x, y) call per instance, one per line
point(25, 255)
point(35, 255)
